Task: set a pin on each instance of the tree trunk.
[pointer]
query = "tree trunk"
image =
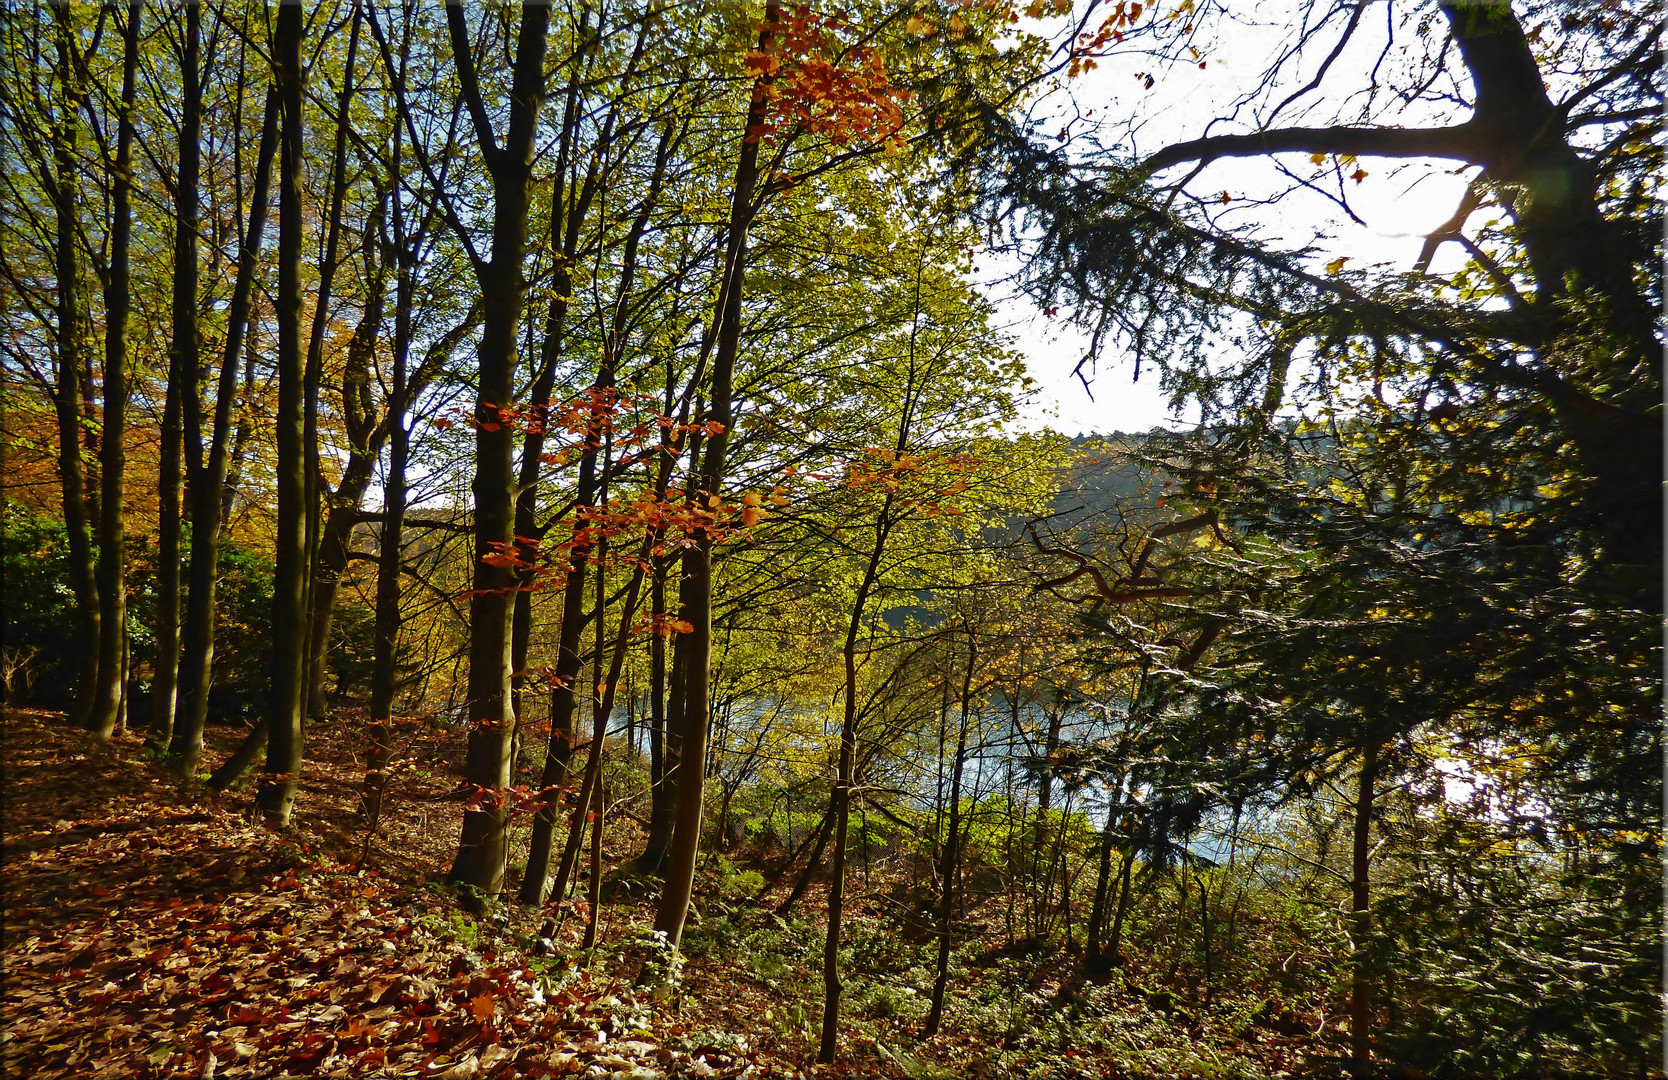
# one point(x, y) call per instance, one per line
point(951, 853)
point(107, 712)
point(208, 480)
point(319, 607)
point(565, 223)
point(1042, 887)
point(661, 797)
point(329, 563)
point(71, 362)
point(564, 693)
point(599, 809)
point(1204, 934)
point(823, 831)
point(602, 706)
point(287, 705)
point(563, 702)
point(245, 424)
point(1097, 907)
point(1116, 941)
point(384, 664)
point(695, 596)
point(572, 600)
point(1361, 924)
point(366, 432)
point(479, 866)
point(241, 758)
point(840, 800)
point(182, 365)
point(836, 888)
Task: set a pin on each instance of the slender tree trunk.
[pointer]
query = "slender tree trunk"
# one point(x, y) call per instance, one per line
point(574, 599)
point(599, 732)
point(661, 802)
point(564, 694)
point(479, 865)
point(1361, 924)
point(602, 707)
point(840, 801)
point(241, 758)
point(1103, 883)
point(330, 561)
point(366, 433)
point(563, 702)
point(599, 809)
point(71, 374)
point(951, 854)
point(182, 365)
point(841, 813)
point(1097, 907)
point(1205, 934)
point(245, 421)
point(208, 479)
point(663, 810)
point(107, 712)
point(824, 830)
point(1115, 943)
point(320, 601)
point(696, 593)
point(1042, 886)
point(662, 827)
point(384, 670)
point(276, 796)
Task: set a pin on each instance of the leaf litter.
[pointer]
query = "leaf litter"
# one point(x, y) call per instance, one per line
point(154, 932)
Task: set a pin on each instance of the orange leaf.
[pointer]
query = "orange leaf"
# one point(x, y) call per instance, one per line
point(761, 64)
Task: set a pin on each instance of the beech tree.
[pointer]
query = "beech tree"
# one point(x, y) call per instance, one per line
point(287, 704)
point(480, 860)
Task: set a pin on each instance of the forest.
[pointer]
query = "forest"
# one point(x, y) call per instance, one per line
point(527, 548)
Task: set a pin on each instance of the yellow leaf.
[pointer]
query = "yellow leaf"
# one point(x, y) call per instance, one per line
point(1336, 266)
point(1318, 159)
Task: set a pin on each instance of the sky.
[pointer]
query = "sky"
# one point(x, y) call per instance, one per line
point(1399, 201)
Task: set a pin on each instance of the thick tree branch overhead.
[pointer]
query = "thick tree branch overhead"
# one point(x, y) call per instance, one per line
point(1460, 143)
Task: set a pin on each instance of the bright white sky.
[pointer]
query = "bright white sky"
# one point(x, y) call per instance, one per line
point(1399, 201)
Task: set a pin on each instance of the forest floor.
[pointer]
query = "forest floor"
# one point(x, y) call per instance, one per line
point(155, 930)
